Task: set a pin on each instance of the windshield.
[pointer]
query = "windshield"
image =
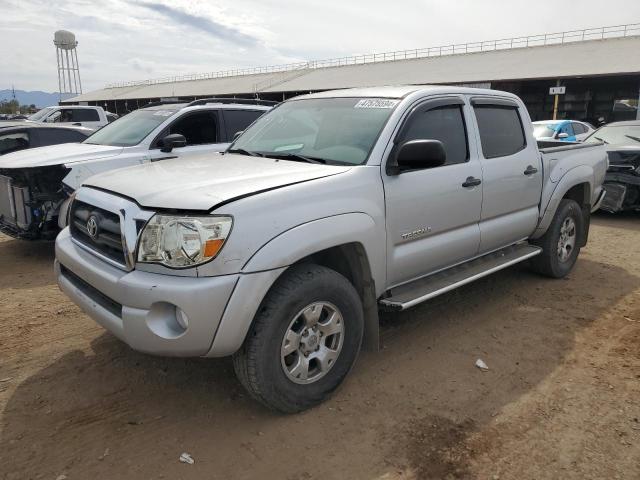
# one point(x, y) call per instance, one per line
point(334, 130)
point(544, 130)
point(131, 129)
point(40, 114)
point(616, 135)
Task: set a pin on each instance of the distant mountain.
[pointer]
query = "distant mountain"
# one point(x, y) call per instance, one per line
point(38, 98)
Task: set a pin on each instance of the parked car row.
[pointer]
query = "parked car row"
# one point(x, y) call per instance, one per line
point(35, 184)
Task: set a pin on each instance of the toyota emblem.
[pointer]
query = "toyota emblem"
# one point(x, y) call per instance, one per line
point(92, 227)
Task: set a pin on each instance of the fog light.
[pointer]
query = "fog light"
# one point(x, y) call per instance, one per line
point(182, 318)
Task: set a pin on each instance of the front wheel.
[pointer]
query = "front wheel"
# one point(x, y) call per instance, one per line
point(561, 243)
point(304, 339)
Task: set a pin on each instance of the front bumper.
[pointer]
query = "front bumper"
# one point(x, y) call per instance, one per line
point(140, 308)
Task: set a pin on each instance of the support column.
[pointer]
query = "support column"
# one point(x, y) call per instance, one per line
point(638, 107)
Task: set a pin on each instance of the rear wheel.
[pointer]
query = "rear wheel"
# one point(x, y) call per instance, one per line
point(304, 339)
point(560, 244)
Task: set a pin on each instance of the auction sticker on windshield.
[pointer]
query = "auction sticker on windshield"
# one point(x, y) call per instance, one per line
point(376, 103)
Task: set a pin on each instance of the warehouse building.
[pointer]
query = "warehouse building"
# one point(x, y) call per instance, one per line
point(599, 68)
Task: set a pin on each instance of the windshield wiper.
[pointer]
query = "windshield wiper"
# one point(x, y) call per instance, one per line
point(598, 138)
point(633, 138)
point(242, 151)
point(296, 158)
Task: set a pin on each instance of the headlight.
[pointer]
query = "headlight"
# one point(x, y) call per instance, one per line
point(182, 241)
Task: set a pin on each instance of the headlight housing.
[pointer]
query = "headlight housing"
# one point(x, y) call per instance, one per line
point(182, 241)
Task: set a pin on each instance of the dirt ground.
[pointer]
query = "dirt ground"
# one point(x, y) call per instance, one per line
point(561, 399)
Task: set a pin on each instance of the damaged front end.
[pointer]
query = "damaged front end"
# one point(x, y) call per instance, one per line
point(622, 182)
point(30, 201)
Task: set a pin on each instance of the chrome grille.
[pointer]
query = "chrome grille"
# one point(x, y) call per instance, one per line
point(98, 229)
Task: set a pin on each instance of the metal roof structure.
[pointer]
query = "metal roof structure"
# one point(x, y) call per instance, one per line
point(580, 53)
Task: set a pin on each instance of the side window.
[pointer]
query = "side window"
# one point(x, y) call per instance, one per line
point(579, 129)
point(11, 142)
point(445, 124)
point(501, 132)
point(85, 115)
point(198, 128)
point(65, 115)
point(54, 136)
point(238, 120)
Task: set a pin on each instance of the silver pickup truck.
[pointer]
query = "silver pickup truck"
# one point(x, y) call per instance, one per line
point(326, 209)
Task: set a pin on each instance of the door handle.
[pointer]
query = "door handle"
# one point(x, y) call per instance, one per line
point(471, 182)
point(530, 170)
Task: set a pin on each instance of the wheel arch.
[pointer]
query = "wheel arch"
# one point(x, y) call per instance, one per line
point(576, 184)
point(351, 261)
point(351, 244)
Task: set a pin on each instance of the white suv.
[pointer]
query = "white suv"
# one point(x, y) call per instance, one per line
point(79, 115)
point(40, 180)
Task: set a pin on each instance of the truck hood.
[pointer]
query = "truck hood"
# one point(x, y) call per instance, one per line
point(206, 181)
point(62, 154)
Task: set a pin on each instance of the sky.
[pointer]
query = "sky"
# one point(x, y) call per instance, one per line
point(121, 40)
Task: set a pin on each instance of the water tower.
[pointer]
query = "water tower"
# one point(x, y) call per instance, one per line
point(68, 69)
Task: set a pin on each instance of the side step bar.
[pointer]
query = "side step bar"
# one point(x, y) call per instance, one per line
point(418, 291)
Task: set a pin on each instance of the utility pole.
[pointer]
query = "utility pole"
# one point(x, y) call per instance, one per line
point(14, 101)
point(555, 102)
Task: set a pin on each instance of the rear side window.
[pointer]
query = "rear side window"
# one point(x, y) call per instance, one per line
point(578, 128)
point(501, 132)
point(54, 136)
point(238, 120)
point(445, 124)
point(85, 115)
point(11, 142)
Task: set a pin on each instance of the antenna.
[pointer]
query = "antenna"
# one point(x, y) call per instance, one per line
point(68, 69)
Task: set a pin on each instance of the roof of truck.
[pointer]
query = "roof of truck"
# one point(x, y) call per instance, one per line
point(401, 91)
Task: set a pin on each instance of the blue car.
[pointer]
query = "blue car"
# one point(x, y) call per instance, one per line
point(564, 130)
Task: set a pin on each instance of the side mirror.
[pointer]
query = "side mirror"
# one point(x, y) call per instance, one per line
point(237, 134)
point(562, 136)
point(175, 140)
point(417, 154)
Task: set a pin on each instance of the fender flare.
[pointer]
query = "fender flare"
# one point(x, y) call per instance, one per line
point(272, 259)
point(294, 244)
point(556, 192)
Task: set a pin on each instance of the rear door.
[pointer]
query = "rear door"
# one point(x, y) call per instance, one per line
point(87, 117)
point(432, 219)
point(512, 172)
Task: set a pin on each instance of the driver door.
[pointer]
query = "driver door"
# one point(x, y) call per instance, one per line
point(433, 214)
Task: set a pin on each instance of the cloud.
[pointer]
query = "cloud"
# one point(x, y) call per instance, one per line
point(213, 28)
point(122, 40)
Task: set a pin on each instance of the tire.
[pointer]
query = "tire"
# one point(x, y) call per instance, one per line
point(276, 380)
point(551, 262)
